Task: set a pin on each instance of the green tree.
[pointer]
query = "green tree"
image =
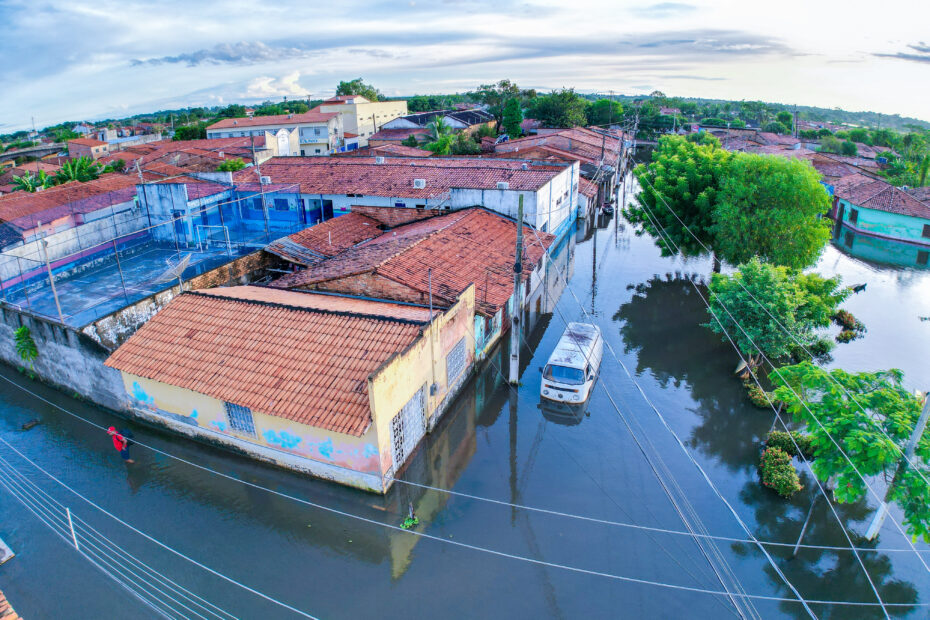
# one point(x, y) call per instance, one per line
point(681, 181)
point(830, 144)
point(759, 304)
point(358, 87)
point(411, 141)
point(25, 345)
point(82, 169)
point(776, 127)
point(849, 148)
point(772, 207)
point(438, 128)
point(924, 168)
point(870, 416)
point(117, 165)
point(29, 182)
point(513, 116)
point(496, 95)
point(191, 132)
point(785, 118)
point(561, 108)
point(441, 145)
point(464, 145)
point(860, 135)
point(233, 110)
point(231, 165)
point(604, 112)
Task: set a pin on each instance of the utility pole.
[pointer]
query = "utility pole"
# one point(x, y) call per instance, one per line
point(517, 299)
point(902, 465)
point(43, 244)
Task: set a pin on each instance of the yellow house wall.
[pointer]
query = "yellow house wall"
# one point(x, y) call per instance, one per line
point(181, 407)
point(357, 117)
point(395, 383)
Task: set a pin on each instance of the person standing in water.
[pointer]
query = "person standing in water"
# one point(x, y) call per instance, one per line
point(121, 443)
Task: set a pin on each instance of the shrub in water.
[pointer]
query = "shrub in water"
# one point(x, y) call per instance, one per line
point(847, 321)
point(786, 443)
point(778, 472)
point(757, 395)
point(846, 335)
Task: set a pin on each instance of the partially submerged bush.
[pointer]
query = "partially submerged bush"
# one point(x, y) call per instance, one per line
point(757, 395)
point(786, 443)
point(778, 472)
point(847, 321)
point(847, 335)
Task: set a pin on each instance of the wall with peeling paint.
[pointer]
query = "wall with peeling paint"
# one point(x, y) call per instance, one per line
point(353, 461)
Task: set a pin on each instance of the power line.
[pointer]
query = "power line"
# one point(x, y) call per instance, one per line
point(800, 452)
point(415, 533)
point(914, 467)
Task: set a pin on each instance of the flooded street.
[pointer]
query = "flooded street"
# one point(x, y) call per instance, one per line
point(497, 443)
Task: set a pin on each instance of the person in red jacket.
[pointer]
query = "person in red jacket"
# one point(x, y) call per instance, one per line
point(120, 443)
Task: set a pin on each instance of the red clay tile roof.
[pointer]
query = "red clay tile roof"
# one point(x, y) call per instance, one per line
point(392, 217)
point(587, 188)
point(473, 246)
point(277, 352)
point(882, 196)
point(6, 610)
point(394, 178)
point(583, 144)
point(386, 150)
point(312, 245)
point(87, 142)
point(24, 209)
point(276, 119)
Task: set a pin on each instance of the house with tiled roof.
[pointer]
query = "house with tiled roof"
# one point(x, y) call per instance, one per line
point(395, 136)
point(309, 133)
point(433, 260)
point(877, 209)
point(317, 189)
point(334, 386)
point(87, 147)
point(469, 121)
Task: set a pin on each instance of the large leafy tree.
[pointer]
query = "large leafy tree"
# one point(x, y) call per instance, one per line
point(513, 116)
point(358, 87)
point(870, 416)
point(604, 112)
point(759, 304)
point(495, 96)
point(771, 207)
point(681, 181)
point(81, 169)
point(197, 131)
point(561, 108)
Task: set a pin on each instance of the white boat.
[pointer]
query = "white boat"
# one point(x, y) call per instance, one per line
point(572, 369)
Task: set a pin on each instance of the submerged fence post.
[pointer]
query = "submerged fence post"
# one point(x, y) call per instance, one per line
point(71, 527)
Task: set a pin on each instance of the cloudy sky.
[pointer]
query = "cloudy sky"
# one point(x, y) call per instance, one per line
point(71, 59)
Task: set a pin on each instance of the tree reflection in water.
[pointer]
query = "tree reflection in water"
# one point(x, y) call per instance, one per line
point(661, 324)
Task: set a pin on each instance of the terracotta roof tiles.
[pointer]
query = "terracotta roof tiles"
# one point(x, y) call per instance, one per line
point(311, 245)
point(298, 356)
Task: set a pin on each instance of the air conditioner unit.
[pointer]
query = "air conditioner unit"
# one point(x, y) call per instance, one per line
point(379, 160)
point(503, 185)
point(419, 183)
point(266, 180)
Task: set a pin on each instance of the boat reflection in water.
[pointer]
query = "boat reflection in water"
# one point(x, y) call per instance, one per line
point(882, 251)
point(565, 414)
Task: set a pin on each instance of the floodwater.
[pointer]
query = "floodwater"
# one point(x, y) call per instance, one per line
point(609, 464)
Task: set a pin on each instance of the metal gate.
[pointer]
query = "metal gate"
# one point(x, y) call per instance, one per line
point(407, 428)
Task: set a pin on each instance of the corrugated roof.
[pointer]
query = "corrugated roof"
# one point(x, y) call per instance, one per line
point(275, 352)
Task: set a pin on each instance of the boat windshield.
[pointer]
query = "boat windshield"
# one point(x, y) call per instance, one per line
point(564, 374)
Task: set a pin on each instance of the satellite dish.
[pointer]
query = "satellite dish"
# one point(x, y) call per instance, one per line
point(175, 269)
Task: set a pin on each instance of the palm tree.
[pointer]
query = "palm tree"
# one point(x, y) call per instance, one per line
point(31, 183)
point(438, 129)
point(82, 169)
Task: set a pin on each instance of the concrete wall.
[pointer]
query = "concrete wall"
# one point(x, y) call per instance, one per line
point(68, 359)
point(353, 461)
point(399, 378)
point(112, 330)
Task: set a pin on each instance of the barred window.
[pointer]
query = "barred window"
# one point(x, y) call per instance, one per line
point(455, 362)
point(240, 418)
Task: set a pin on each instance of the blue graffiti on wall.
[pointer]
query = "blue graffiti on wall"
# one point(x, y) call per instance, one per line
point(326, 448)
point(140, 395)
point(283, 439)
point(220, 426)
point(370, 450)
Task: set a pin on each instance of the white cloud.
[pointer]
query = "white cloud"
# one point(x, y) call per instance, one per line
point(285, 86)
